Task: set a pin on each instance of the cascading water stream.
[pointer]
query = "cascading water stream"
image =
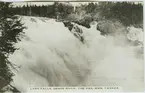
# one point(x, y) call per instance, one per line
point(50, 55)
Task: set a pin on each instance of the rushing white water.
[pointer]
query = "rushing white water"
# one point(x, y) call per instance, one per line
point(135, 34)
point(50, 55)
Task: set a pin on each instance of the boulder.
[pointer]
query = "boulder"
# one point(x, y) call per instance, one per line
point(74, 28)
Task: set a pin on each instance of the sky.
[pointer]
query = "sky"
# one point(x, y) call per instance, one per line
point(45, 3)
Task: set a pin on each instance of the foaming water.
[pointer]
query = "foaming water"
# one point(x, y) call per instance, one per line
point(50, 55)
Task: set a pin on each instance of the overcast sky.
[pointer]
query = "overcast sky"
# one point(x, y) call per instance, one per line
point(45, 3)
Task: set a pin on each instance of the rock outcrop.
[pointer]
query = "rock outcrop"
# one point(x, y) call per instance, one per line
point(77, 32)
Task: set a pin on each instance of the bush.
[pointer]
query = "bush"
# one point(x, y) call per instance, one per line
point(73, 17)
point(111, 27)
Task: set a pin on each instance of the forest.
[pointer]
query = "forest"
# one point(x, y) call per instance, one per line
point(128, 13)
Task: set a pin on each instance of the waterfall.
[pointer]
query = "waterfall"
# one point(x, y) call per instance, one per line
point(50, 55)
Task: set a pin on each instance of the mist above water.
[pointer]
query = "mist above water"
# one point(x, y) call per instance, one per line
point(50, 55)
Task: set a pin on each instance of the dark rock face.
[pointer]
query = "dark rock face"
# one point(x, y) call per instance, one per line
point(83, 23)
point(68, 24)
point(33, 20)
point(77, 32)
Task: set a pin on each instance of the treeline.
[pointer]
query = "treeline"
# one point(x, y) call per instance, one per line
point(57, 9)
point(128, 13)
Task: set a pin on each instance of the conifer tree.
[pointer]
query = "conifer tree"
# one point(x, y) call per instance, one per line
point(10, 29)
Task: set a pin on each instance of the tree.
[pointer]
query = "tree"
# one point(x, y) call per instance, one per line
point(126, 12)
point(10, 29)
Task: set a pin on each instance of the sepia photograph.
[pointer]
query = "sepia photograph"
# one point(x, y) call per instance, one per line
point(71, 44)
